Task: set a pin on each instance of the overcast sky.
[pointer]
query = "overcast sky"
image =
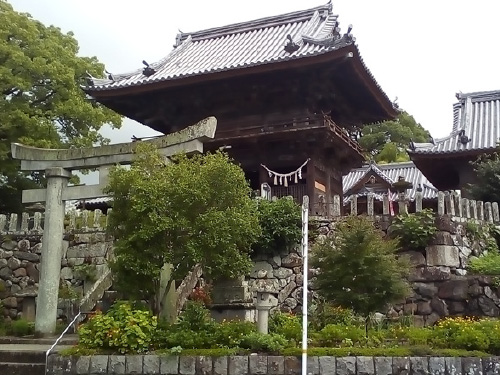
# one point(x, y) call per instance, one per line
point(421, 52)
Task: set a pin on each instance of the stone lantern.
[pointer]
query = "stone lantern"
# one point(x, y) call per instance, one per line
point(401, 186)
point(263, 304)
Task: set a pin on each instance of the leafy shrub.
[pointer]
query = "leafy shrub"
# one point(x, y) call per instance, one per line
point(470, 338)
point(491, 327)
point(122, 329)
point(195, 316)
point(462, 333)
point(202, 294)
point(414, 230)
point(195, 329)
point(22, 327)
point(86, 272)
point(338, 334)
point(487, 169)
point(486, 235)
point(286, 325)
point(326, 313)
point(488, 264)
point(67, 292)
point(230, 334)
point(410, 335)
point(263, 342)
point(358, 268)
point(281, 225)
point(187, 339)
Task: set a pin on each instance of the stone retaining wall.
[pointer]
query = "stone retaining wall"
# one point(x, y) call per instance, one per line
point(441, 285)
point(20, 263)
point(271, 365)
point(280, 275)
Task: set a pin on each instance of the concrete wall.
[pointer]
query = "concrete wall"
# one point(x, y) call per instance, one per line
point(271, 365)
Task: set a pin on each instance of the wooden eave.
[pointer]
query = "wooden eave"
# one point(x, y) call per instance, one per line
point(336, 55)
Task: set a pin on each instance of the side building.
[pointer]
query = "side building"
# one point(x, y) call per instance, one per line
point(446, 162)
point(379, 180)
point(289, 93)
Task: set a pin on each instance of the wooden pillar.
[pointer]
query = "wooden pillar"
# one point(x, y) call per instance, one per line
point(310, 183)
point(328, 193)
point(263, 176)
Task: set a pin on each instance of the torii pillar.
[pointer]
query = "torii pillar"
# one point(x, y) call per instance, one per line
point(50, 264)
point(58, 165)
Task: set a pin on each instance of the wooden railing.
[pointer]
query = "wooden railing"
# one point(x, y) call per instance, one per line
point(295, 191)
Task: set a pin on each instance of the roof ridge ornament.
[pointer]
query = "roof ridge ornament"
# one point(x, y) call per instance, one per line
point(148, 71)
point(109, 75)
point(178, 39)
point(329, 4)
point(348, 36)
point(291, 46)
point(462, 137)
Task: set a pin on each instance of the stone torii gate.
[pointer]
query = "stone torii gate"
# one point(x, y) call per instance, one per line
point(58, 165)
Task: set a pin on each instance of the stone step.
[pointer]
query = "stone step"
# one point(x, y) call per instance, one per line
point(24, 356)
point(22, 368)
point(68, 339)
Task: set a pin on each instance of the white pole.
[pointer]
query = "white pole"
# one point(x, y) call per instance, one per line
point(305, 223)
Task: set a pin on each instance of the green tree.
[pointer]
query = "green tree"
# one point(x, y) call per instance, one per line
point(41, 102)
point(192, 211)
point(387, 142)
point(358, 267)
point(281, 224)
point(487, 186)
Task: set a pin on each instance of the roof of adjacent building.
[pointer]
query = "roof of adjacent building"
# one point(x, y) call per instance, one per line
point(390, 173)
point(476, 126)
point(269, 40)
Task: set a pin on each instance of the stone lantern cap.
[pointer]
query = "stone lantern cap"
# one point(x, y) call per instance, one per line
point(264, 301)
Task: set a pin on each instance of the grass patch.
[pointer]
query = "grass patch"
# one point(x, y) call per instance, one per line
point(219, 352)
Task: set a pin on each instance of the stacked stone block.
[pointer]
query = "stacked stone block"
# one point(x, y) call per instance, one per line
point(271, 365)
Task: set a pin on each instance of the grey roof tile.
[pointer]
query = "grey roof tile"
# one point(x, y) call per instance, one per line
point(390, 173)
point(476, 126)
point(240, 46)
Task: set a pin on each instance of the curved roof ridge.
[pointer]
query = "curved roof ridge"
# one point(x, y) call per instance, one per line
point(408, 163)
point(480, 95)
point(270, 21)
point(155, 65)
point(375, 168)
point(439, 140)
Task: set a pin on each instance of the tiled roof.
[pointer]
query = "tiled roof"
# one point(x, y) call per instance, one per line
point(476, 126)
point(268, 40)
point(390, 173)
point(93, 203)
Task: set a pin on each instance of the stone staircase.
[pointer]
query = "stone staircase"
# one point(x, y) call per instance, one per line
point(22, 362)
point(26, 356)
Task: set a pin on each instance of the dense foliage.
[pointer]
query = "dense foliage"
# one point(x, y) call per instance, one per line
point(41, 102)
point(488, 264)
point(387, 142)
point(281, 225)
point(194, 210)
point(128, 330)
point(358, 268)
point(487, 185)
point(122, 329)
point(414, 230)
